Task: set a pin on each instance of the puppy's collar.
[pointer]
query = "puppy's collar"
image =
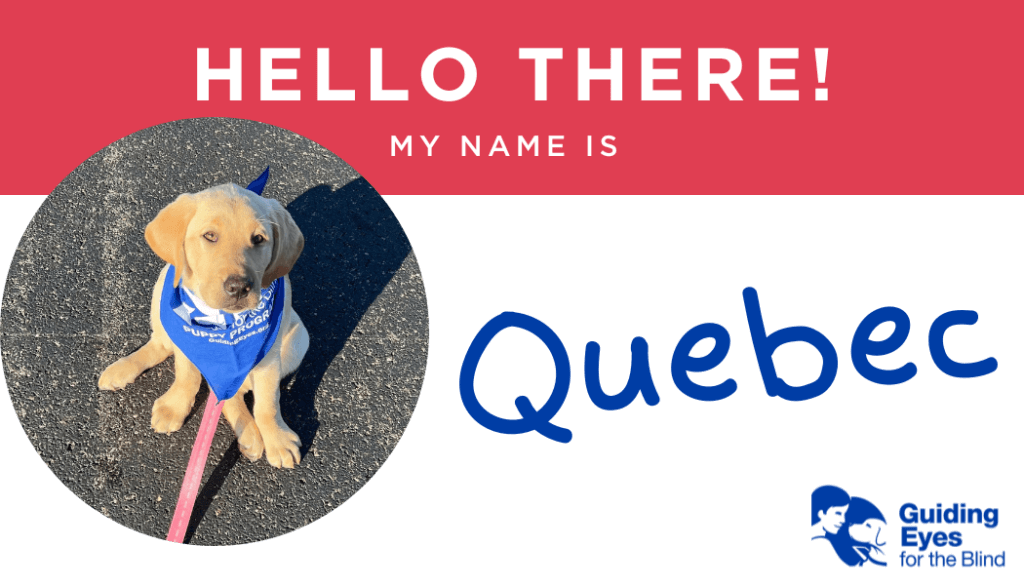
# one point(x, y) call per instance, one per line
point(192, 309)
point(206, 314)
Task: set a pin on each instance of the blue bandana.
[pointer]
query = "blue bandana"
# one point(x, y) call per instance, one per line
point(224, 346)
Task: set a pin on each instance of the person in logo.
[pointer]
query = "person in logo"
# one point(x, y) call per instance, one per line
point(828, 511)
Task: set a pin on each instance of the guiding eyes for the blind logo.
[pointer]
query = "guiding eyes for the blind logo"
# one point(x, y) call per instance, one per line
point(853, 527)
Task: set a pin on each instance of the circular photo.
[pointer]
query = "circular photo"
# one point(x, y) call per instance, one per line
point(216, 265)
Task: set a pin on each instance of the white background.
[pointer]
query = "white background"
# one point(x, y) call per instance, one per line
point(684, 490)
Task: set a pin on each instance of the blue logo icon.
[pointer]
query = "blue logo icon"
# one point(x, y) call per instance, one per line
point(854, 527)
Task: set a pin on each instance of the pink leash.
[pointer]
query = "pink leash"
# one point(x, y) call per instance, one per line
point(194, 473)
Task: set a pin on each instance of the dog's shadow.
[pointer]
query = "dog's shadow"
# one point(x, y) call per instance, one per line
point(354, 245)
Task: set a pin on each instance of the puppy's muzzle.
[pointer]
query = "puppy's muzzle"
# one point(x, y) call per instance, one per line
point(237, 287)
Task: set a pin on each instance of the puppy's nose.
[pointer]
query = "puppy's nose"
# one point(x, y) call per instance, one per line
point(237, 286)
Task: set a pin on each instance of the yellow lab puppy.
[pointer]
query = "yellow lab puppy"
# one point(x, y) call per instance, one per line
point(225, 244)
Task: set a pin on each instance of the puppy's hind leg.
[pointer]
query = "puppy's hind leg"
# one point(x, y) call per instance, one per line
point(293, 347)
point(250, 442)
point(124, 371)
point(170, 410)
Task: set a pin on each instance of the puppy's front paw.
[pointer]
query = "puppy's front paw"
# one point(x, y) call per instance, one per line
point(118, 375)
point(250, 442)
point(170, 410)
point(282, 447)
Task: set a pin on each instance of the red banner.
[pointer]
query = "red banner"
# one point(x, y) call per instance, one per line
point(921, 97)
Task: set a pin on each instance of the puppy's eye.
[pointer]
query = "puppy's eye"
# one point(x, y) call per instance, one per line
point(258, 239)
point(210, 236)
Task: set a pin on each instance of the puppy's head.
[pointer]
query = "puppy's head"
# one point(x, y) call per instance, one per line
point(225, 244)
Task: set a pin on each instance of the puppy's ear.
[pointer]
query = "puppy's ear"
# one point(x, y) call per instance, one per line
point(288, 243)
point(166, 233)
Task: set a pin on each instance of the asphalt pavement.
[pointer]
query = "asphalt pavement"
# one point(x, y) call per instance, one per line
point(77, 299)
